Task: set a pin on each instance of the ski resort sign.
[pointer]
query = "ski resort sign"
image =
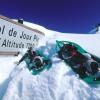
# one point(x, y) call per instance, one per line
point(15, 36)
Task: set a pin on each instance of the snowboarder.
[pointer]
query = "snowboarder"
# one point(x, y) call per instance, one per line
point(82, 63)
point(34, 57)
point(36, 60)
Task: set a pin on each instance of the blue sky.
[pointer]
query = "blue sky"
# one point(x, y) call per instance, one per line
point(77, 16)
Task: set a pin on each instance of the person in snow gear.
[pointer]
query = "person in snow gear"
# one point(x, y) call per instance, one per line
point(34, 57)
point(82, 63)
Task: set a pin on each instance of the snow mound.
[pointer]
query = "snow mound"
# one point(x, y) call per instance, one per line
point(58, 83)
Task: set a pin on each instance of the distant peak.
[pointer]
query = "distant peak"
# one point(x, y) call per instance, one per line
point(98, 28)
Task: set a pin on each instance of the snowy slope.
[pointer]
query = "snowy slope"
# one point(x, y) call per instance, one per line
point(59, 83)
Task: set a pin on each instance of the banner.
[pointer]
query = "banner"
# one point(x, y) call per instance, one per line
point(15, 36)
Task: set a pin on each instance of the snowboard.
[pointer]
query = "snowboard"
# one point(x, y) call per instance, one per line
point(46, 66)
point(87, 78)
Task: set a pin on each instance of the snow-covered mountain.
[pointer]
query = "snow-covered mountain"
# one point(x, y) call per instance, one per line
point(59, 83)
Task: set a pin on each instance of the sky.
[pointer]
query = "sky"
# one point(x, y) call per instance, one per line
point(68, 16)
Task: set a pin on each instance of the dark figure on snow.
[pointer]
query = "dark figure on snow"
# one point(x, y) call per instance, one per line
point(34, 57)
point(82, 63)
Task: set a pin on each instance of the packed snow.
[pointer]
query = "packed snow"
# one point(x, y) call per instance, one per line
point(58, 83)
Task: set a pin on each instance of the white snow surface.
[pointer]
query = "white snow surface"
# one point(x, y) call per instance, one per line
point(58, 83)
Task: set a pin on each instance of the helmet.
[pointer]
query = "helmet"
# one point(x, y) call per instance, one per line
point(68, 50)
point(67, 47)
